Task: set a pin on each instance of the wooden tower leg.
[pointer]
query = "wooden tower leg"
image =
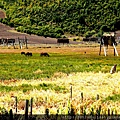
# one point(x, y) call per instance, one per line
point(105, 50)
point(100, 49)
point(115, 49)
point(13, 44)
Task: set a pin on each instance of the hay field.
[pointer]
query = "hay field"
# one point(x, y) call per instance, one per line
point(90, 84)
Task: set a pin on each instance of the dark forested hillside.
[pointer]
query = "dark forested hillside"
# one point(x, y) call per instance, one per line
point(54, 18)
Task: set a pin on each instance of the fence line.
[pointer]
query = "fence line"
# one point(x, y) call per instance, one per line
point(13, 41)
point(110, 115)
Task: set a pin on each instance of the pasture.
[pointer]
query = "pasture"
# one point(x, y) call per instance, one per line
point(48, 79)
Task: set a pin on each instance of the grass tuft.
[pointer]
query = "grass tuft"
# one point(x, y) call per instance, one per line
point(28, 87)
point(114, 98)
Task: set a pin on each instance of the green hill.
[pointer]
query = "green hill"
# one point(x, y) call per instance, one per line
point(55, 18)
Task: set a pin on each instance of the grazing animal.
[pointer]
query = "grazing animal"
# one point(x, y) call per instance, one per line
point(28, 54)
point(22, 53)
point(113, 69)
point(44, 54)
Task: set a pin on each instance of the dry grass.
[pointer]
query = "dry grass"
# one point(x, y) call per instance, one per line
point(58, 49)
point(89, 83)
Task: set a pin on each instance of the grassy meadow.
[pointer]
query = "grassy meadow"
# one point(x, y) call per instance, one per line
point(16, 66)
point(48, 81)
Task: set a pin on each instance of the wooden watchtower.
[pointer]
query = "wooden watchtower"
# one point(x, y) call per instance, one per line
point(108, 39)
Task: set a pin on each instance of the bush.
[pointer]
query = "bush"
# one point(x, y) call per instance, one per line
point(28, 31)
point(20, 29)
point(58, 36)
point(104, 28)
point(11, 24)
point(5, 21)
point(59, 31)
point(89, 33)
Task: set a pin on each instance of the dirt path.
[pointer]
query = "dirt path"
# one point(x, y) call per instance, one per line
point(8, 32)
point(63, 50)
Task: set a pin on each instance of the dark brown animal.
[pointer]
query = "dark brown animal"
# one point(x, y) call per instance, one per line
point(22, 53)
point(44, 54)
point(28, 54)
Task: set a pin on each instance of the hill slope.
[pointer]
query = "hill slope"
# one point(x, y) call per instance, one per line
point(8, 32)
point(55, 18)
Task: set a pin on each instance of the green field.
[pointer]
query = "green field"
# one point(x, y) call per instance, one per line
point(16, 66)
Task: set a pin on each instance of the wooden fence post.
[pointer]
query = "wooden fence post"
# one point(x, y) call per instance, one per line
point(81, 108)
point(20, 43)
point(26, 109)
point(98, 112)
point(71, 92)
point(13, 44)
point(114, 51)
point(16, 104)
point(82, 97)
point(47, 112)
point(97, 98)
point(108, 112)
point(70, 109)
point(11, 115)
point(31, 104)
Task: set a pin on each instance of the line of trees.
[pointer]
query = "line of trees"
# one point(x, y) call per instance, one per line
point(54, 18)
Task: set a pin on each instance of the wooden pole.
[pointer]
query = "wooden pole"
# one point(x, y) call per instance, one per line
point(20, 43)
point(97, 98)
point(47, 112)
point(11, 115)
point(82, 97)
point(26, 109)
point(16, 105)
point(108, 112)
point(13, 42)
point(31, 104)
point(7, 42)
point(81, 108)
point(115, 49)
point(71, 92)
point(104, 50)
point(2, 41)
point(100, 49)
